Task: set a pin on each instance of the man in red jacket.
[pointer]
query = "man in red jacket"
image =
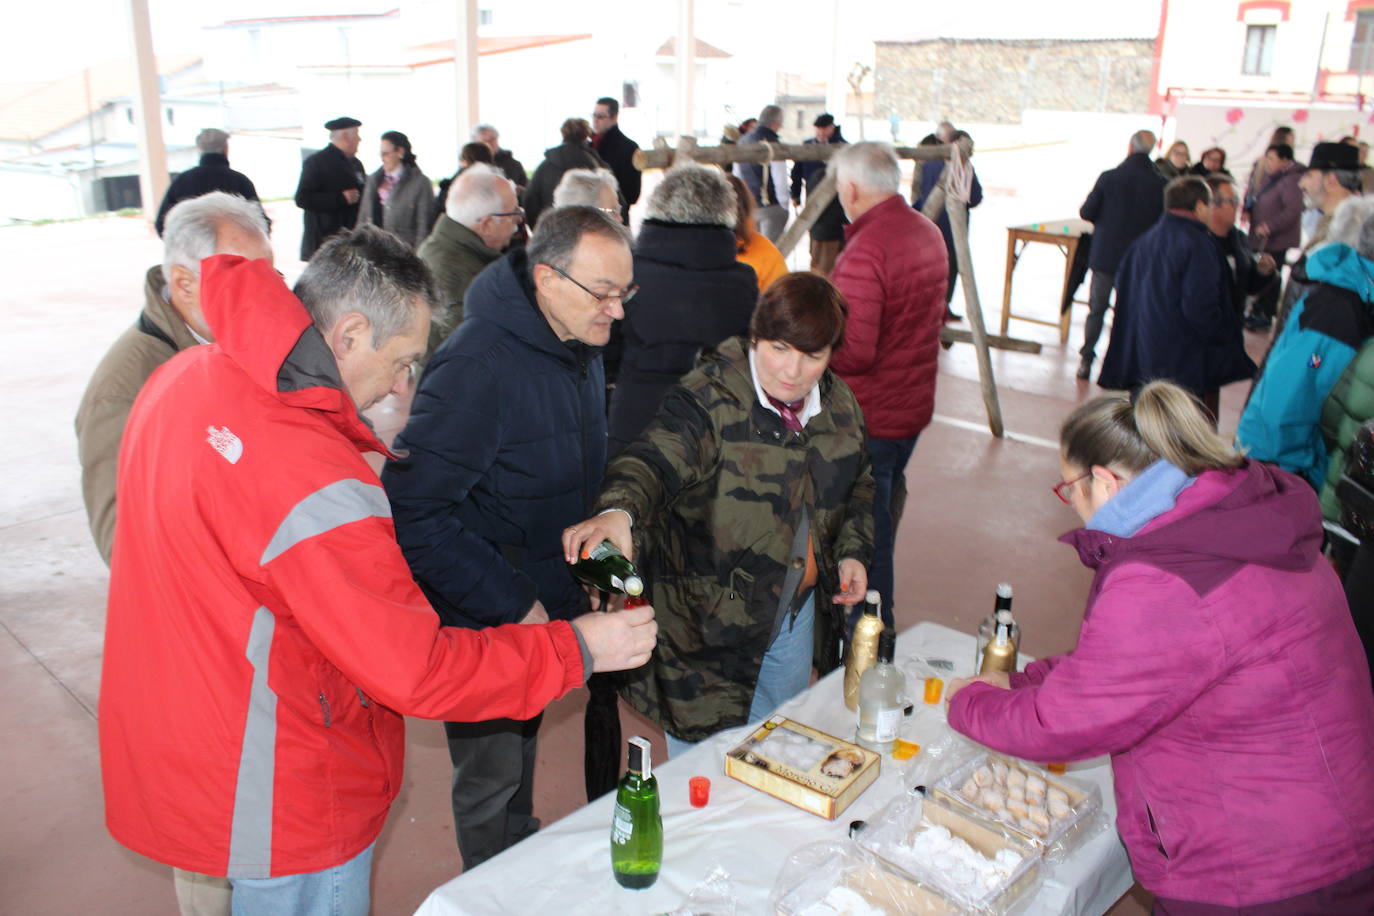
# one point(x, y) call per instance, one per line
point(892, 272)
point(264, 635)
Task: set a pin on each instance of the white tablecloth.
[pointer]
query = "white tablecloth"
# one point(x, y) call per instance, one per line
point(566, 867)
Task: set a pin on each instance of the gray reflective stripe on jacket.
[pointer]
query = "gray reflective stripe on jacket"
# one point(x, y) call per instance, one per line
point(329, 507)
point(250, 839)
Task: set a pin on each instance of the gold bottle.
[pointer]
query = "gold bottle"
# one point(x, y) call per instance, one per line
point(863, 649)
point(1000, 655)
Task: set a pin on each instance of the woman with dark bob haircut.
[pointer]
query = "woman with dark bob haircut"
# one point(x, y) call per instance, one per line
point(747, 505)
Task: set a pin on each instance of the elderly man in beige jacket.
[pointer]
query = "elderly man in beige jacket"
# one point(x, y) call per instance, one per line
point(171, 321)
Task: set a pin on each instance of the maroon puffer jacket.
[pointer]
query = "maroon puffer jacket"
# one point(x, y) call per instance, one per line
point(892, 272)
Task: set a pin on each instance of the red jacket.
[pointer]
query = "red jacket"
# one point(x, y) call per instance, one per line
point(264, 635)
point(892, 272)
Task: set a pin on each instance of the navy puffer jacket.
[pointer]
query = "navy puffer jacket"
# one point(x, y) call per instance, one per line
point(506, 444)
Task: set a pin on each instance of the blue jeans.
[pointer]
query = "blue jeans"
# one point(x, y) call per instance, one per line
point(785, 672)
point(344, 890)
point(889, 458)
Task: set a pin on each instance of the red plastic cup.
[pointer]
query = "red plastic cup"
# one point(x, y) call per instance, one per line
point(699, 791)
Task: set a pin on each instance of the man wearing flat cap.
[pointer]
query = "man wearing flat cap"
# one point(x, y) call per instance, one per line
point(330, 186)
point(1331, 178)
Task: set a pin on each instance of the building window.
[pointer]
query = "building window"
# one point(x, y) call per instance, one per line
point(129, 113)
point(171, 120)
point(1259, 50)
point(629, 94)
point(1362, 48)
point(484, 17)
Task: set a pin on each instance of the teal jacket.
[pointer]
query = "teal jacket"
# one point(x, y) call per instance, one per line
point(1282, 422)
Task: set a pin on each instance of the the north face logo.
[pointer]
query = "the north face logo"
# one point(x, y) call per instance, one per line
point(225, 442)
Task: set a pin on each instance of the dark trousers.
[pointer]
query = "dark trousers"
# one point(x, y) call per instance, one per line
point(1266, 301)
point(493, 785)
point(953, 276)
point(824, 252)
point(889, 458)
point(1099, 300)
point(1359, 592)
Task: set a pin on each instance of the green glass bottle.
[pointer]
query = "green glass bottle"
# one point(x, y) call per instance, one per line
point(606, 568)
point(637, 829)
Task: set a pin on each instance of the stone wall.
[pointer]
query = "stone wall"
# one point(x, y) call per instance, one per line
point(992, 82)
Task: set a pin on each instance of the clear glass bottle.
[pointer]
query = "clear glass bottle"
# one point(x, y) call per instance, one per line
point(606, 568)
point(987, 628)
point(882, 698)
point(863, 648)
point(637, 827)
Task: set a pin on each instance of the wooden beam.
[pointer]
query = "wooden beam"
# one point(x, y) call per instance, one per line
point(816, 202)
point(995, 341)
point(766, 152)
point(973, 310)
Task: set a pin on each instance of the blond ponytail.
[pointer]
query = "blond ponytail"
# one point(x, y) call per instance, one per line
point(1161, 421)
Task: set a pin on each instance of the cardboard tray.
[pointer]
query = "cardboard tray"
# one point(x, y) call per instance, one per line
point(1084, 801)
point(879, 888)
point(816, 772)
point(904, 819)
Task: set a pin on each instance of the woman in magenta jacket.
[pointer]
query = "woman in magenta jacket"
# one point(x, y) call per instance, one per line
point(1217, 664)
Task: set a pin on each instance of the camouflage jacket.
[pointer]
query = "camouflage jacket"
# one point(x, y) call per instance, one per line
point(719, 490)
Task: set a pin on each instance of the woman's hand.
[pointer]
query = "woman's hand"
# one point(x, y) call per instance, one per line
point(853, 582)
point(995, 678)
point(609, 526)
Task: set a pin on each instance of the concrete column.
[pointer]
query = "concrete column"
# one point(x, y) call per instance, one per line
point(837, 87)
point(686, 68)
point(152, 154)
point(466, 109)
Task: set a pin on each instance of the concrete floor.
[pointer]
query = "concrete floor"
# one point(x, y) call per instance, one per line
point(980, 512)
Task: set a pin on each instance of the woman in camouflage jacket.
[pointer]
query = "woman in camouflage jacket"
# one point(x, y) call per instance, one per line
point(749, 493)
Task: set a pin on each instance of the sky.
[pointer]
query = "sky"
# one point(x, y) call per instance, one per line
point(46, 45)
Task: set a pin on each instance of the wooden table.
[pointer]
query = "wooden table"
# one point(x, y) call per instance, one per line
point(1064, 234)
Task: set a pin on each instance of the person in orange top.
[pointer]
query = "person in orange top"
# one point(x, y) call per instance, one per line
point(753, 246)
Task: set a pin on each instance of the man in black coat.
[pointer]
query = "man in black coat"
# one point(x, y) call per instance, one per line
point(504, 448)
point(503, 159)
point(331, 185)
point(1246, 273)
point(617, 150)
point(827, 232)
point(1174, 314)
point(1125, 202)
point(212, 174)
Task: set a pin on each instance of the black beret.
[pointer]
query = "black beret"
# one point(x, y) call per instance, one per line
point(342, 123)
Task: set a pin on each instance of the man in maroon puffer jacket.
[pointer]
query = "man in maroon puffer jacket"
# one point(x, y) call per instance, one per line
point(892, 273)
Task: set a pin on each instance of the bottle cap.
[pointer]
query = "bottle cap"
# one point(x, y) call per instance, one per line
point(887, 645)
point(873, 597)
point(634, 586)
point(1004, 616)
point(1003, 590)
point(640, 760)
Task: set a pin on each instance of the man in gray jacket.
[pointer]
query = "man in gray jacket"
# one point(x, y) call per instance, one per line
point(480, 216)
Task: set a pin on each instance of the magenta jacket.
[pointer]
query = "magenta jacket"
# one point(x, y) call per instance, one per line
point(1218, 664)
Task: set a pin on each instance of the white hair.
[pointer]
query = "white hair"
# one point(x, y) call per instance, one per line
point(582, 187)
point(1353, 224)
point(870, 165)
point(476, 194)
point(694, 194)
point(477, 132)
point(212, 140)
point(188, 235)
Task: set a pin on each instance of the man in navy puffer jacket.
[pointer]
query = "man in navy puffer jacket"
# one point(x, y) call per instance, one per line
point(504, 448)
